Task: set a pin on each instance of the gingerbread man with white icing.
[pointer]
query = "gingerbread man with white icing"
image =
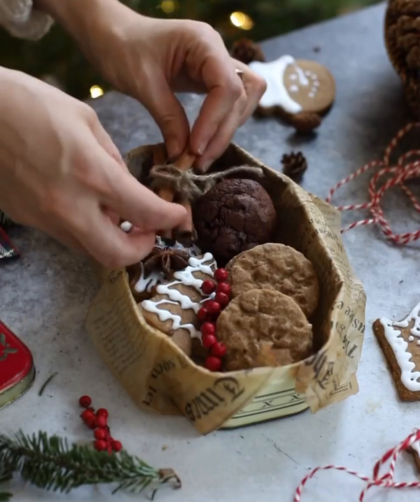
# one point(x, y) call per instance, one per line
point(299, 90)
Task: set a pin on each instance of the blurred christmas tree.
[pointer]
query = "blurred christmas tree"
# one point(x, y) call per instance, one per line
point(57, 60)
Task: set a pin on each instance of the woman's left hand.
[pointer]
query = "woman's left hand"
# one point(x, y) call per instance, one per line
point(151, 59)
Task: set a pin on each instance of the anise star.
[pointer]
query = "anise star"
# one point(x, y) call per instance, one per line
point(167, 260)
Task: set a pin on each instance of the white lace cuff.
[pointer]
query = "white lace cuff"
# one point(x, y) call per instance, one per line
point(21, 20)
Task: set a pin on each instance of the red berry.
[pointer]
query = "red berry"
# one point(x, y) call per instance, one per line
point(91, 409)
point(222, 299)
point(208, 287)
point(218, 349)
point(87, 415)
point(101, 422)
point(223, 287)
point(109, 449)
point(85, 401)
point(100, 434)
point(212, 307)
point(208, 341)
point(213, 363)
point(116, 445)
point(221, 275)
point(203, 314)
point(102, 412)
point(208, 328)
point(91, 423)
point(99, 445)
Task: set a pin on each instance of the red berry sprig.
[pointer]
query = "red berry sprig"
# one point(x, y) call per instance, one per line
point(208, 315)
point(99, 423)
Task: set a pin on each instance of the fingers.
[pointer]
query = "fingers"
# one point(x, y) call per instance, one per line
point(223, 135)
point(228, 104)
point(126, 197)
point(106, 142)
point(112, 247)
point(155, 94)
point(255, 87)
point(224, 89)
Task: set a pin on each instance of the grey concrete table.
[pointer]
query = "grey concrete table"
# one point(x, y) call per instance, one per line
point(45, 296)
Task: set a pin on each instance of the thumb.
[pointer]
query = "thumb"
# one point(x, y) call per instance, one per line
point(166, 110)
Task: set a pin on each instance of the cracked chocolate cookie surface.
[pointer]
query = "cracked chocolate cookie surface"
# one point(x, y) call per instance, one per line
point(234, 216)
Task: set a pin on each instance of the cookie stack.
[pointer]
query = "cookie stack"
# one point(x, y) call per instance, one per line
point(275, 291)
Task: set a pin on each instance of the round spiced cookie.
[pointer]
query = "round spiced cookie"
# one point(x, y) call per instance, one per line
point(295, 89)
point(279, 268)
point(263, 328)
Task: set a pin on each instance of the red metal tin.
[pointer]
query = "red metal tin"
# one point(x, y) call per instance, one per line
point(17, 371)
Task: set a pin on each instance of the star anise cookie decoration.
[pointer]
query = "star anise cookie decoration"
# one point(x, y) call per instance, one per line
point(166, 260)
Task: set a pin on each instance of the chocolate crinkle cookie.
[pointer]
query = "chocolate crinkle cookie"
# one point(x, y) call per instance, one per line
point(234, 216)
point(264, 328)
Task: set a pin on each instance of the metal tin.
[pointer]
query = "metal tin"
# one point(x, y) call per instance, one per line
point(17, 370)
point(276, 399)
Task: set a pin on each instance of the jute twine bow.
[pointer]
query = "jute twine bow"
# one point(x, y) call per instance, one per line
point(399, 173)
point(190, 185)
point(384, 481)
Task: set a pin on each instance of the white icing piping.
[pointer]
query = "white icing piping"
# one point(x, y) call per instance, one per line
point(149, 282)
point(175, 296)
point(165, 315)
point(409, 377)
point(301, 75)
point(276, 93)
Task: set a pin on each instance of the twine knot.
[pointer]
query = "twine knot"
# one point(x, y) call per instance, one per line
point(189, 185)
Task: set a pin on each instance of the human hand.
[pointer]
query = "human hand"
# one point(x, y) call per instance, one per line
point(61, 172)
point(150, 59)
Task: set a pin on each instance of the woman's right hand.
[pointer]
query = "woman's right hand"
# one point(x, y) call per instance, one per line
point(61, 172)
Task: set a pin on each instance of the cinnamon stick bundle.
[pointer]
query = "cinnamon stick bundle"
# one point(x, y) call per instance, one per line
point(185, 233)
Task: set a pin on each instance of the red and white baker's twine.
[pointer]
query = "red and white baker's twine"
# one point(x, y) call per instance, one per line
point(399, 173)
point(384, 481)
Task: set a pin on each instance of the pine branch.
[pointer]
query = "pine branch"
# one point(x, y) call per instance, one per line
point(50, 463)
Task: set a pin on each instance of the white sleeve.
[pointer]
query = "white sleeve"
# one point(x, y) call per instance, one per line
point(21, 20)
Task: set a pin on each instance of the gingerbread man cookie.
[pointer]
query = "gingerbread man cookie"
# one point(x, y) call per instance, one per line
point(400, 342)
point(299, 90)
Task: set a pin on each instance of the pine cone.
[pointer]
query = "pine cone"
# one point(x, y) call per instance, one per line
point(294, 165)
point(246, 51)
point(305, 122)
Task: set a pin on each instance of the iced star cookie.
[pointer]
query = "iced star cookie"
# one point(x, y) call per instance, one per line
point(400, 342)
point(299, 90)
point(173, 309)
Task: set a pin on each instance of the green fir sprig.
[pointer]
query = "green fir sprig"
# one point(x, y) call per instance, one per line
point(53, 464)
